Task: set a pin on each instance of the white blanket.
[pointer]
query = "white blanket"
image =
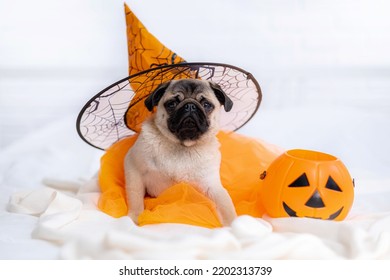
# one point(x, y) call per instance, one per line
point(59, 219)
point(68, 217)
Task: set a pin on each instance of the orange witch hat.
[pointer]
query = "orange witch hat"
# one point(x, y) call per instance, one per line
point(146, 52)
point(119, 111)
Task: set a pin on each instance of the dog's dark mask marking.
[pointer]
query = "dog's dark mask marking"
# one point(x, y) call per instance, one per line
point(188, 109)
point(188, 121)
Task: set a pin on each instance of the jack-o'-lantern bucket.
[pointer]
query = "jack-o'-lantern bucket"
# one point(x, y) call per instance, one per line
point(304, 183)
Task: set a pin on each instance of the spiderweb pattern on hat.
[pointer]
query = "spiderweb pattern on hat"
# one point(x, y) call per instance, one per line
point(102, 120)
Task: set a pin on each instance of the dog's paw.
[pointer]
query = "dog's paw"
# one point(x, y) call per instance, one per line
point(134, 217)
point(227, 220)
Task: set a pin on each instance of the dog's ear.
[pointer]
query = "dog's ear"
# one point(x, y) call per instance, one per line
point(221, 96)
point(155, 96)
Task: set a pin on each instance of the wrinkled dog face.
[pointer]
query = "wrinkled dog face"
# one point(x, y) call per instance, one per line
point(188, 109)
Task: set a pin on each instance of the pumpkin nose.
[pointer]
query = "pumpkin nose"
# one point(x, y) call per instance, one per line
point(315, 201)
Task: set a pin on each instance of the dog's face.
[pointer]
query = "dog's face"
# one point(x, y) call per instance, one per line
point(188, 109)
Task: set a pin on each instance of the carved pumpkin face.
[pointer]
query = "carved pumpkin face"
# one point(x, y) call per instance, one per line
point(303, 183)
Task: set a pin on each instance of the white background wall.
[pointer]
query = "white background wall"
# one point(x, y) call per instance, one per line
point(311, 56)
point(54, 55)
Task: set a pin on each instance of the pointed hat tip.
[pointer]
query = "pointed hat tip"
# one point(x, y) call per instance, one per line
point(127, 9)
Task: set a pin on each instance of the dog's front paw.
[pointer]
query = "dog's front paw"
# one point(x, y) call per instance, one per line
point(227, 217)
point(134, 217)
point(227, 221)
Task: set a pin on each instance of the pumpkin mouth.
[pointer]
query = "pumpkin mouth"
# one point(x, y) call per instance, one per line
point(293, 213)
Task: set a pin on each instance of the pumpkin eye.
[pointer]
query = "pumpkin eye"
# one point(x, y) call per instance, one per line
point(332, 185)
point(301, 181)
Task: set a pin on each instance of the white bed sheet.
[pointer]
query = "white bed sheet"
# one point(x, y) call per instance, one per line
point(48, 211)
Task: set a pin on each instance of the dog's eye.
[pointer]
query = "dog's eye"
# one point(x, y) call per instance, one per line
point(207, 106)
point(170, 105)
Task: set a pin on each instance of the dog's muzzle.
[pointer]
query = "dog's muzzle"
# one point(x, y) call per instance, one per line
point(188, 122)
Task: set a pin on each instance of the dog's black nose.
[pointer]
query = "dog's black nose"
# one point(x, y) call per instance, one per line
point(190, 107)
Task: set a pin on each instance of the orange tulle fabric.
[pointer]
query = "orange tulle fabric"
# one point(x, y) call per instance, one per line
point(243, 160)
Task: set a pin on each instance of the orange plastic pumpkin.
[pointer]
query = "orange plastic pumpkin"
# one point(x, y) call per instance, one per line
point(303, 183)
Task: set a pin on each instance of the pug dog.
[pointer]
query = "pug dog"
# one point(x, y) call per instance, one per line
point(178, 144)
